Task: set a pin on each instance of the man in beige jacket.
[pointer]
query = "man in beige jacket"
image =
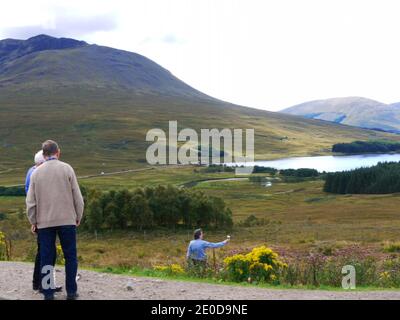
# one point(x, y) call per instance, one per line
point(55, 207)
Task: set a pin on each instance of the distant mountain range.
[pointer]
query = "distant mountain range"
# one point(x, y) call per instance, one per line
point(353, 111)
point(99, 102)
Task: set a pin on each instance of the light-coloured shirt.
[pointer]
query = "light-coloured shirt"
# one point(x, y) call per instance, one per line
point(197, 248)
point(28, 178)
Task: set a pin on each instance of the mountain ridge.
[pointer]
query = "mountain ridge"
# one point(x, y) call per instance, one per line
point(14, 48)
point(355, 111)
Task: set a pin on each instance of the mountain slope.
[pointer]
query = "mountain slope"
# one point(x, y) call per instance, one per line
point(43, 61)
point(354, 111)
point(99, 103)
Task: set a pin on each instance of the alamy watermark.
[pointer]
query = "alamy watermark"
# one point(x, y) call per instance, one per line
point(349, 278)
point(190, 147)
point(48, 277)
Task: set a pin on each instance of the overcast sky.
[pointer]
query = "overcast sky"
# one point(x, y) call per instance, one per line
point(264, 54)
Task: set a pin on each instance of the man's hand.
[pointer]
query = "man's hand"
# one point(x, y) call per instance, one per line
point(78, 223)
point(34, 228)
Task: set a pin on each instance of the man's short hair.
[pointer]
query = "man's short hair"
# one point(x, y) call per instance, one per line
point(197, 234)
point(49, 148)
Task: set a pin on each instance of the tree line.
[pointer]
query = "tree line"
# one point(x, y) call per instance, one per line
point(302, 172)
point(380, 179)
point(299, 173)
point(16, 191)
point(213, 168)
point(375, 146)
point(150, 207)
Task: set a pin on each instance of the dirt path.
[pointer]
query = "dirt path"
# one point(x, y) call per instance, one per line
point(15, 283)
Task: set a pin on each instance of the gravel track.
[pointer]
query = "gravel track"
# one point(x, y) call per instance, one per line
point(16, 283)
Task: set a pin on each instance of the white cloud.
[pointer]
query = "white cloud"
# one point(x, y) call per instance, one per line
point(260, 53)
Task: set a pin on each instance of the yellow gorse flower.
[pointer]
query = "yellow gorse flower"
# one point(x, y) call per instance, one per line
point(60, 255)
point(161, 268)
point(3, 246)
point(172, 269)
point(261, 263)
point(2, 238)
point(176, 268)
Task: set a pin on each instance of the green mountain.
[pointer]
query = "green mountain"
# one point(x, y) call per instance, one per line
point(99, 102)
point(51, 63)
point(354, 111)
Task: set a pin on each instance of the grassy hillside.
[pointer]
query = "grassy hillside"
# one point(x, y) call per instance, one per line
point(105, 131)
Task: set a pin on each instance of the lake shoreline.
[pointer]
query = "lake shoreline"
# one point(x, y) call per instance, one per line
point(328, 163)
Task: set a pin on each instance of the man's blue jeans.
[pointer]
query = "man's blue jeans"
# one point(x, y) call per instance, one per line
point(47, 241)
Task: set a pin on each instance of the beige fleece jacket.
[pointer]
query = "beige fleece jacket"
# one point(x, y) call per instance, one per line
point(54, 198)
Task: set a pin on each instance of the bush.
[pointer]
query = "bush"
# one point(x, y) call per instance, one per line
point(261, 265)
point(171, 270)
point(317, 269)
point(3, 246)
point(391, 247)
point(252, 221)
point(390, 273)
point(59, 255)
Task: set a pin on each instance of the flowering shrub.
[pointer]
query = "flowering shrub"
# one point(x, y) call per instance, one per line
point(390, 273)
point(3, 246)
point(316, 268)
point(173, 269)
point(261, 264)
point(60, 255)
